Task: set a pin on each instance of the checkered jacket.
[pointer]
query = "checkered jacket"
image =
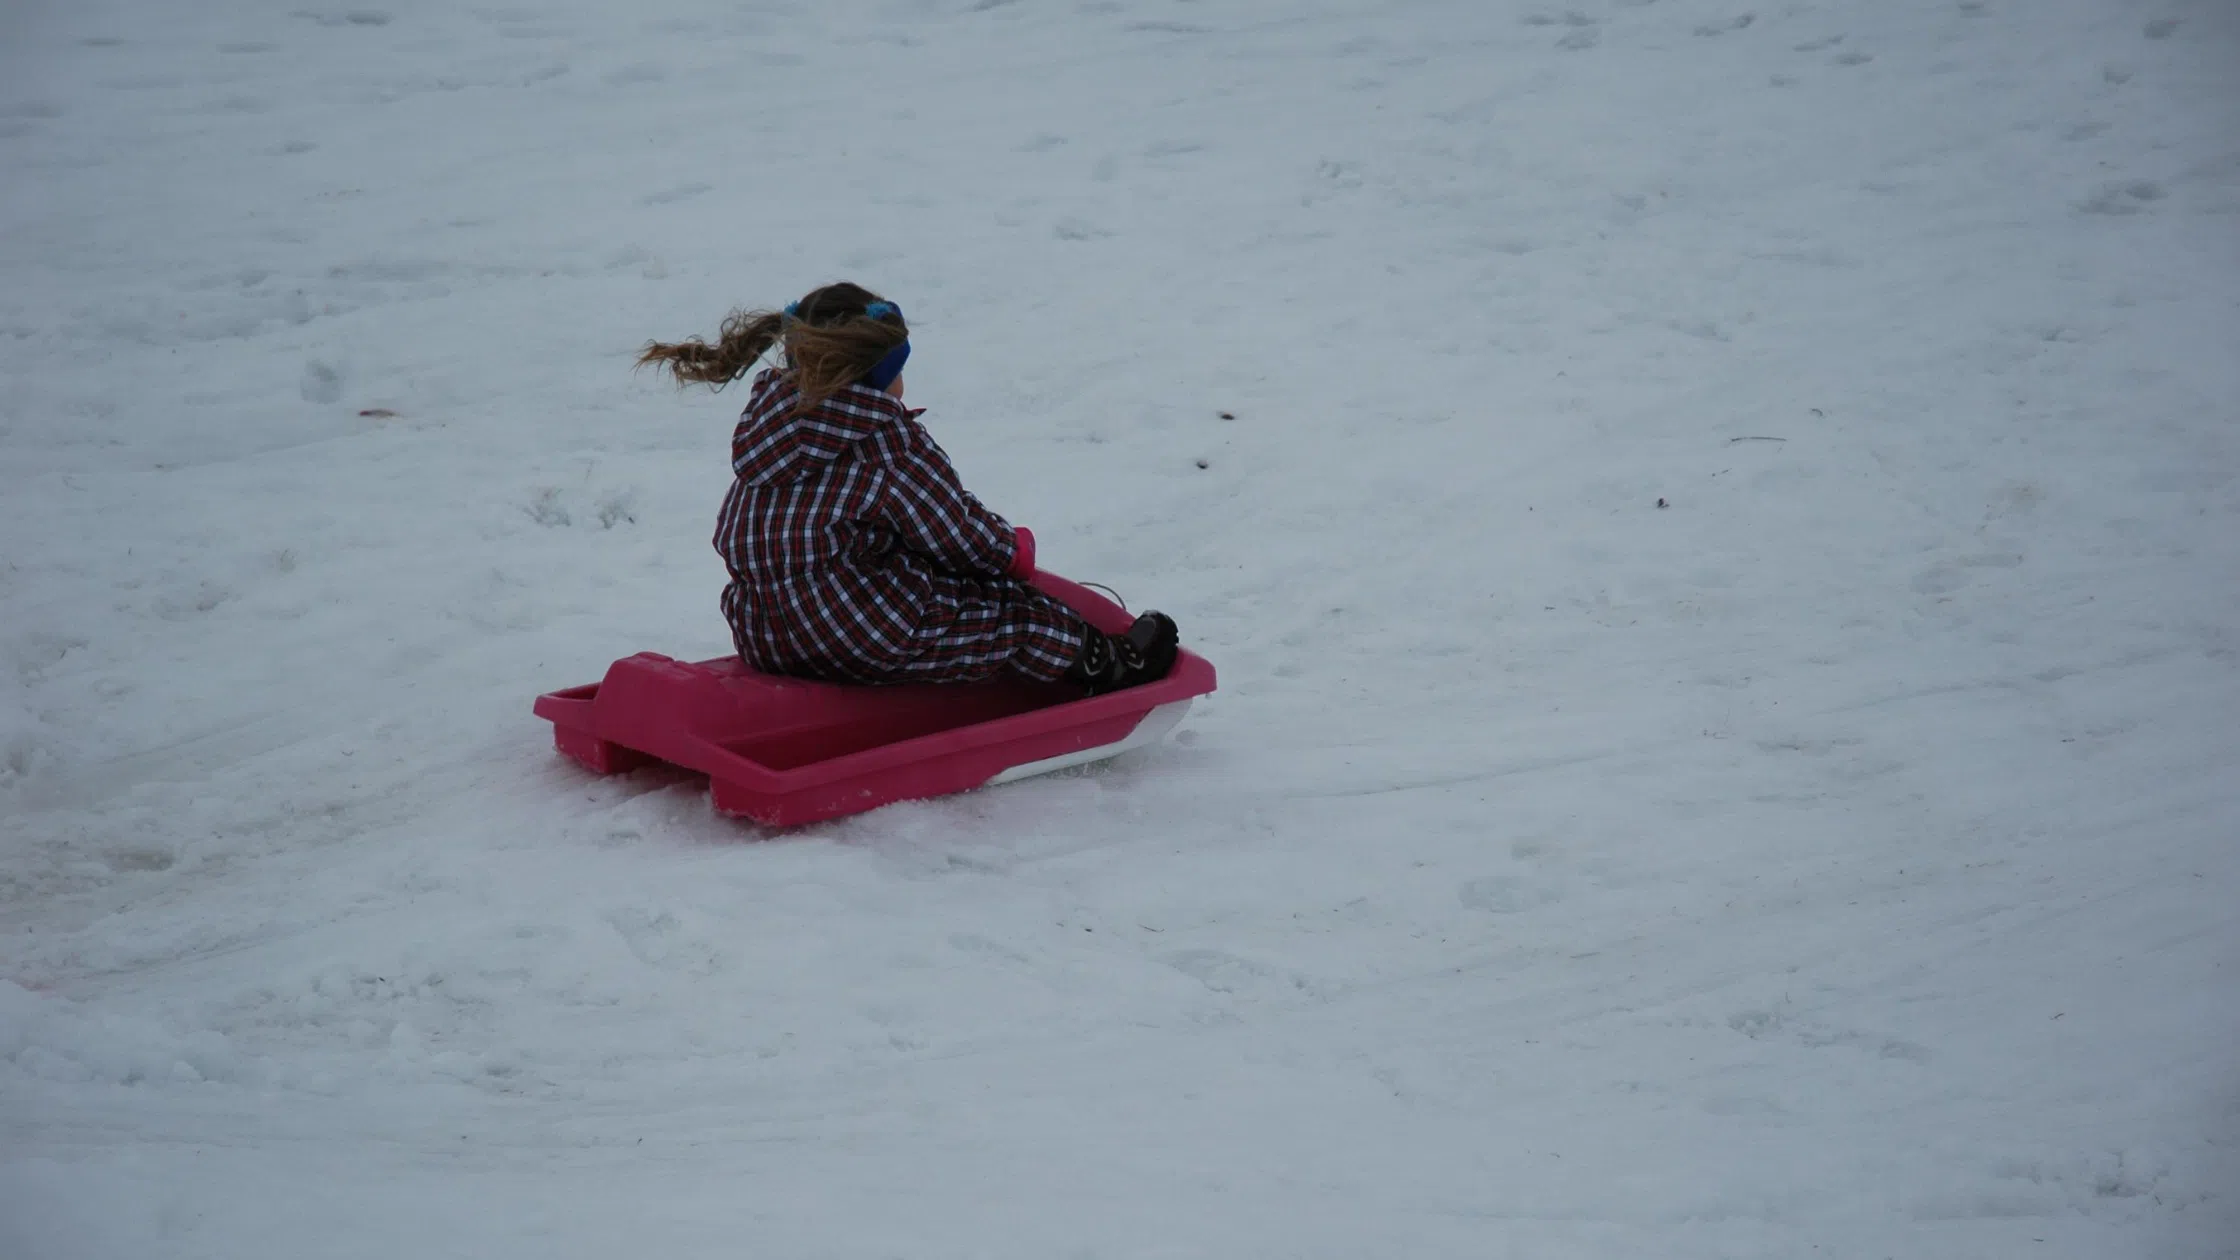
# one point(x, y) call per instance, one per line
point(856, 555)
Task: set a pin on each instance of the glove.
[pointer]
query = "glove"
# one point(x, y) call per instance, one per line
point(1022, 564)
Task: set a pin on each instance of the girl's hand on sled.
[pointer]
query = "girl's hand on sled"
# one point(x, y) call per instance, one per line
point(1022, 563)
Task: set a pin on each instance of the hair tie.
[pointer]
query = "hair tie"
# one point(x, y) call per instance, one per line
point(793, 310)
point(880, 310)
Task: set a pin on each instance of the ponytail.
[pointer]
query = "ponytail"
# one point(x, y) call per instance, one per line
point(745, 338)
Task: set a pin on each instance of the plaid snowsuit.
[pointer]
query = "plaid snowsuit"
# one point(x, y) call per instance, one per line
point(856, 556)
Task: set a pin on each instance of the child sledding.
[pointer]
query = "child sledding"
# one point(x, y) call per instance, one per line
point(894, 637)
point(855, 554)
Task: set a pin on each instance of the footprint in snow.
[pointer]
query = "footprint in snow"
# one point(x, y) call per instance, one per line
point(682, 192)
point(205, 597)
point(2126, 197)
point(1226, 973)
point(139, 859)
point(555, 508)
point(659, 940)
point(322, 382)
point(1761, 1025)
point(974, 943)
point(351, 17)
point(1507, 894)
point(1077, 229)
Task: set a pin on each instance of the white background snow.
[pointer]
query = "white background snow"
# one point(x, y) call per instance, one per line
point(1840, 861)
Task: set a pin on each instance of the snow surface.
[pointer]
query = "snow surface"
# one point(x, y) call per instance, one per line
point(1839, 861)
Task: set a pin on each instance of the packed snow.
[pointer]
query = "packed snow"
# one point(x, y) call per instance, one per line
point(1719, 521)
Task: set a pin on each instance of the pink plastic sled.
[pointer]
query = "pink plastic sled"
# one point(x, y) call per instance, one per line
point(785, 751)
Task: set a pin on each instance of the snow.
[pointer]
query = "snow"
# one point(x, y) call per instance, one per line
point(1839, 860)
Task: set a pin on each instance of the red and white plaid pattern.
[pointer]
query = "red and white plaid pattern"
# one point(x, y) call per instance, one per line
point(856, 555)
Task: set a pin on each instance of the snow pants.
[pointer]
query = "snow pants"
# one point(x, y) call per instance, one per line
point(967, 629)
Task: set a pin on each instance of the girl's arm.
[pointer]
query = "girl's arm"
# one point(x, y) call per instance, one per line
point(938, 517)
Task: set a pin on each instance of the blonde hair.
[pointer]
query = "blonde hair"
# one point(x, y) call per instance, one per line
point(830, 338)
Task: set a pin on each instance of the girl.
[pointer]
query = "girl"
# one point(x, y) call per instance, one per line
point(855, 554)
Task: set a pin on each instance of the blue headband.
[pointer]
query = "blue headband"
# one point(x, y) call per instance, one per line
point(882, 373)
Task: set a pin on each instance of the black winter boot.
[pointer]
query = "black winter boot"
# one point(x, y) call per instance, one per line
point(1113, 662)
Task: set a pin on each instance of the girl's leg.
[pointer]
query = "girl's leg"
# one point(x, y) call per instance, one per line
point(974, 630)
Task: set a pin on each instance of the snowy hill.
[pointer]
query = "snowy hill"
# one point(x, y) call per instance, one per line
point(1725, 570)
